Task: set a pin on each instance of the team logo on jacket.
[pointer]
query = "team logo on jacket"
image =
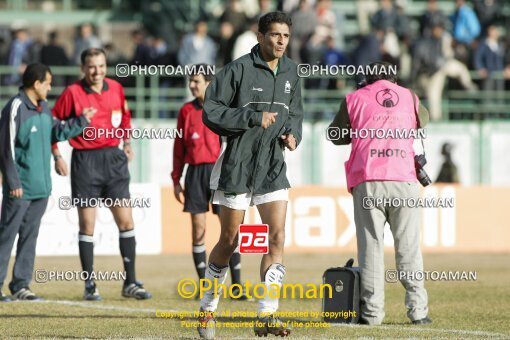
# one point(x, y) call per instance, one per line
point(387, 98)
point(287, 87)
point(195, 135)
point(116, 118)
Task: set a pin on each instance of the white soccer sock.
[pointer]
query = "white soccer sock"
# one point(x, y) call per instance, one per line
point(274, 276)
point(268, 305)
point(209, 302)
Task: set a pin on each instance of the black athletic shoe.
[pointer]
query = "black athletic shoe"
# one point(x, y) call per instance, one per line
point(26, 294)
point(91, 292)
point(363, 321)
point(135, 290)
point(4, 298)
point(425, 321)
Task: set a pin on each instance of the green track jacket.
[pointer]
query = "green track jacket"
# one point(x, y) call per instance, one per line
point(26, 134)
point(252, 158)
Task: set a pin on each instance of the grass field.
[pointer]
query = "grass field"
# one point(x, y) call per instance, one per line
point(479, 309)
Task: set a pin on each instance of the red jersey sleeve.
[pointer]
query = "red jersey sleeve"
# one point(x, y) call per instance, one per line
point(126, 113)
point(63, 109)
point(179, 150)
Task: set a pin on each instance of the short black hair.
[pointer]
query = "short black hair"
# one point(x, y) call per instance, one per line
point(202, 69)
point(53, 36)
point(273, 17)
point(91, 52)
point(383, 71)
point(34, 72)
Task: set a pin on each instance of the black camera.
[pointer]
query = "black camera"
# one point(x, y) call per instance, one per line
point(419, 163)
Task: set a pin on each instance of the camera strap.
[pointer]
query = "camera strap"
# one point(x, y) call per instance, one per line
point(417, 118)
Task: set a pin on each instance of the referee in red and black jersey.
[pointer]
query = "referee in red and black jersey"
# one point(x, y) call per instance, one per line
point(199, 148)
point(99, 169)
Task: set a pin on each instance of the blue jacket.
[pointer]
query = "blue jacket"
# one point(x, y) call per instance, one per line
point(466, 26)
point(485, 58)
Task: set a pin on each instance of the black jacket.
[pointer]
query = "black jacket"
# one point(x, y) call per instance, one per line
point(252, 158)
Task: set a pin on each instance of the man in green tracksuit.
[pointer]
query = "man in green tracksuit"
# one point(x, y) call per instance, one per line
point(27, 129)
point(255, 105)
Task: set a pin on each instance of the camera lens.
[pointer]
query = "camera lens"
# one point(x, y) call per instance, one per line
point(423, 178)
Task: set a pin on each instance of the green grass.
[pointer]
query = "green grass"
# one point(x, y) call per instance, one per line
point(479, 309)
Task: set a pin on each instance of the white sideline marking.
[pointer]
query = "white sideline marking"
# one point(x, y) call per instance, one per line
point(94, 305)
point(420, 329)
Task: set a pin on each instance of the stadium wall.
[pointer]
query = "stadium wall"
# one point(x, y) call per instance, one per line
point(320, 216)
point(319, 219)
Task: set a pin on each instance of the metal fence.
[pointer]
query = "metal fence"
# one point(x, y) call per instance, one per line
point(156, 97)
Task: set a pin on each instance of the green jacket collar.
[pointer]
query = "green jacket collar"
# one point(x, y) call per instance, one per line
point(24, 98)
point(284, 63)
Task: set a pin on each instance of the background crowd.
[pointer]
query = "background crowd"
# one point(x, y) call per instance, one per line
point(432, 50)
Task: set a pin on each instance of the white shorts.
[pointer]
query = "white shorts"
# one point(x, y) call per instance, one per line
point(244, 201)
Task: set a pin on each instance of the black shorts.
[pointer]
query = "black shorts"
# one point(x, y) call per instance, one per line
point(99, 173)
point(196, 189)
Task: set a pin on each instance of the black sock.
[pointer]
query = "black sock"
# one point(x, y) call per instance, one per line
point(235, 267)
point(127, 244)
point(200, 259)
point(86, 247)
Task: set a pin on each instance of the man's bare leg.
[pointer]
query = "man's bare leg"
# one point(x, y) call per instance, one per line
point(230, 220)
point(220, 255)
point(272, 270)
point(198, 228)
point(273, 214)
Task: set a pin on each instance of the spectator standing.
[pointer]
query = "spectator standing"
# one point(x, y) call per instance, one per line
point(305, 21)
point(489, 61)
point(465, 24)
point(369, 49)
point(225, 42)
point(142, 52)
point(19, 52)
point(245, 42)
point(433, 61)
point(235, 15)
point(488, 13)
point(197, 47)
point(432, 16)
point(53, 54)
point(465, 29)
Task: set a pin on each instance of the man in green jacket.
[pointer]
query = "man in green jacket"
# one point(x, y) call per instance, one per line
point(255, 105)
point(27, 129)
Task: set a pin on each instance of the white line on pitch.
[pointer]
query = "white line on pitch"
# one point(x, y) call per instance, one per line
point(420, 329)
point(94, 305)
